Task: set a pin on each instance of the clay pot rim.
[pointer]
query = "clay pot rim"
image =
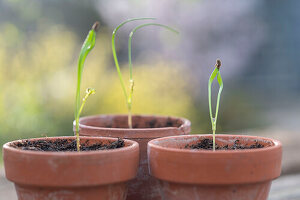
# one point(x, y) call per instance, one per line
point(132, 145)
point(185, 121)
point(152, 144)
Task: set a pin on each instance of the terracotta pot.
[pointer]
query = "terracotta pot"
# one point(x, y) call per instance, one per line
point(144, 187)
point(89, 175)
point(187, 174)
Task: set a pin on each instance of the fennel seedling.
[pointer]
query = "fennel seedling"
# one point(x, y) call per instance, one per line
point(131, 81)
point(86, 48)
point(215, 73)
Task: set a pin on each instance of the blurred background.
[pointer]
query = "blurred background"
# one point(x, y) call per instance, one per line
point(257, 41)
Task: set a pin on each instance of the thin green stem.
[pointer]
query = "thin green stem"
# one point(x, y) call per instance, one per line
point(89, 92)
point(215, 73)
point(129, 118)
point(218, 99)
point(129, 103)
point(131, 81)
point(214, 139)
point(113, 45)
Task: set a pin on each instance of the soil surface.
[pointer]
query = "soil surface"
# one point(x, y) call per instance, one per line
point(207, 144)
point(157, 124)
point(139, 122)
point(65, 145)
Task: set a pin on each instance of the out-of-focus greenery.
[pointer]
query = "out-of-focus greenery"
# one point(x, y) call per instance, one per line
point(39, 47)
point(35, 80)
point(38, 84)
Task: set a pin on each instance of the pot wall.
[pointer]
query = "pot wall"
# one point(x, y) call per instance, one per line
point(103, 192)
point(144, 187)
point(175, 191)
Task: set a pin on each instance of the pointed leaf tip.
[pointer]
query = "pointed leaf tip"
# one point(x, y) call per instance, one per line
point(218, 64)
point(96, 26)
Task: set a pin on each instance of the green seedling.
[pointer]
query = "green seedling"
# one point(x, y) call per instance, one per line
point(86, 48)
point(215, 73)
point(131, 81)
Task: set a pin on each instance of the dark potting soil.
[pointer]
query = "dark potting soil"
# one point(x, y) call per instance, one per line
point(65, 145)
point(145, 123)
point(156, 124)
point(207, 144)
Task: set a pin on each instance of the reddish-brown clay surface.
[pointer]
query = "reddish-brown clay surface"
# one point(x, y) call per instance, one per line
point(89, 175)
point(144, 187)
point(191, 174)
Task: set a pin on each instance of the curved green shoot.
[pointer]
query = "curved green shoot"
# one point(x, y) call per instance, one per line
point(131, 81)
point(215, 73)
point(86, 48)
point(113, 46)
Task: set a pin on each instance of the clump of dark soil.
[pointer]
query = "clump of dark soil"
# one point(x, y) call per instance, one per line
point(207, 144)
point(65, 145)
